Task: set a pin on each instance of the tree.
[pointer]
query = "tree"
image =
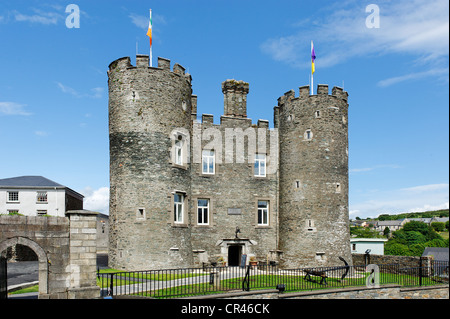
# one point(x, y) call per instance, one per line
point(438, 226)
point(386, 232)
point(396, 249)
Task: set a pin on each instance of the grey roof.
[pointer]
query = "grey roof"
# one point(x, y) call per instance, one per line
point(423, 220)
point(29, 181)
point(389, 223)
point(33, 182)
point(440, 219)
point(439, 253)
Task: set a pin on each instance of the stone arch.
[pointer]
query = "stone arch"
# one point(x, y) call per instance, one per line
point(40, 253)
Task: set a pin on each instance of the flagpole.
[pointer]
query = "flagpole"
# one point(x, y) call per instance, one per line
point(313, 57)
point(151, 53)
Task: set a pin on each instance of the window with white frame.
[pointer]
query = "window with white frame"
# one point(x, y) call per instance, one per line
point(260, 165)
point(263, 213)
point(202, 211)
point(179, 151)
point(208, 166)
point(178, 207)
point(41, 197)
point(13, 196)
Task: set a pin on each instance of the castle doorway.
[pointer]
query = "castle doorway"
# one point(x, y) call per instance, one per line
point(234, 255)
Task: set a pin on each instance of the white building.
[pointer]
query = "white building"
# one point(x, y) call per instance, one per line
point(37, 195)
point(360, 245)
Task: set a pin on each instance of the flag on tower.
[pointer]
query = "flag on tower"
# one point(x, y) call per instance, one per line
point(149, 31)
point(313, 58)
point(149, 34)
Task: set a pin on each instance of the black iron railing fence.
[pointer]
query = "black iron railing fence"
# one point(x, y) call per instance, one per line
point(172, 283)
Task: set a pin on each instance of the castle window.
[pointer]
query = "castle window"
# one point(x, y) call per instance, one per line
point(13, 196)
point(297, 184)
point(338, 188)
point(208, 162)
point(179, 151)
point(317, 114)
point(310, 227)
point(263, 213)
point(260, 165)
point(308, 135)
point(140, 213)
point(203, 211)
point(178, 208)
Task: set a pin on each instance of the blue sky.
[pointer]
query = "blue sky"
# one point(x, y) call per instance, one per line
point(54, 94)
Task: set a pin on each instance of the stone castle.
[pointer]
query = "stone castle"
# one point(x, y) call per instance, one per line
point(185, 192)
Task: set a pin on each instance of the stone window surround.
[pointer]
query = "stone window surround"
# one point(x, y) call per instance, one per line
point(184, 149)
point(271, 213)
point(210, 209)
point(171, 219)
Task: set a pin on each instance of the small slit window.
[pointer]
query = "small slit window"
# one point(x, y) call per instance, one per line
point(140, 213)
point(338, 188)
point(308, 135)
point(317, 114)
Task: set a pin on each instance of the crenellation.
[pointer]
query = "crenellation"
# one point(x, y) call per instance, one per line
point(178, 69)
point(142, 61)
point(163, 63)
point(322, 89)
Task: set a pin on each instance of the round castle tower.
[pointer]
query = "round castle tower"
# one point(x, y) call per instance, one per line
point(149, 112)
point(313, 212)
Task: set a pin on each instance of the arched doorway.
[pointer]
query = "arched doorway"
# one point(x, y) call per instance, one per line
point(40, 253)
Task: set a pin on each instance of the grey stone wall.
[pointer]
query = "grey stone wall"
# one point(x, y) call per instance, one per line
point(150, 109)
point(385, 292)
point(234, 191)
point(65, 248)
point(145, 105)
point(313, 132)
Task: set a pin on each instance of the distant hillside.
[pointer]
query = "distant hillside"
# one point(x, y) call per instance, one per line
point(435, 213)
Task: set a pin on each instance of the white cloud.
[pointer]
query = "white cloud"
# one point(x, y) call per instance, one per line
point(414, 76)
point(142, 21)
point(41, 133)
point(419, 28)
point(12, 108)
point(40, 17)
point(368, 169)
point(96, 93)
point(96, 200)
point(411, 199)
point(426, 188)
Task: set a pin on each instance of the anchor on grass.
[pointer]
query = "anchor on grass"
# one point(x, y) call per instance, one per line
point(323, 272)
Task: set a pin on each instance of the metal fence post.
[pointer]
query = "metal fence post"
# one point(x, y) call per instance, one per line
point(111, 285)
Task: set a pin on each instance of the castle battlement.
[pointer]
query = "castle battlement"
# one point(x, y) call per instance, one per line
point(304, 93)
point(142, 61)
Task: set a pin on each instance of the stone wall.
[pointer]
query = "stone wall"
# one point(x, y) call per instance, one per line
point(402, 261)
point(65, 248)
point(386, 292)
point(313, 133)
point(152, 110)
point(145, 105)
